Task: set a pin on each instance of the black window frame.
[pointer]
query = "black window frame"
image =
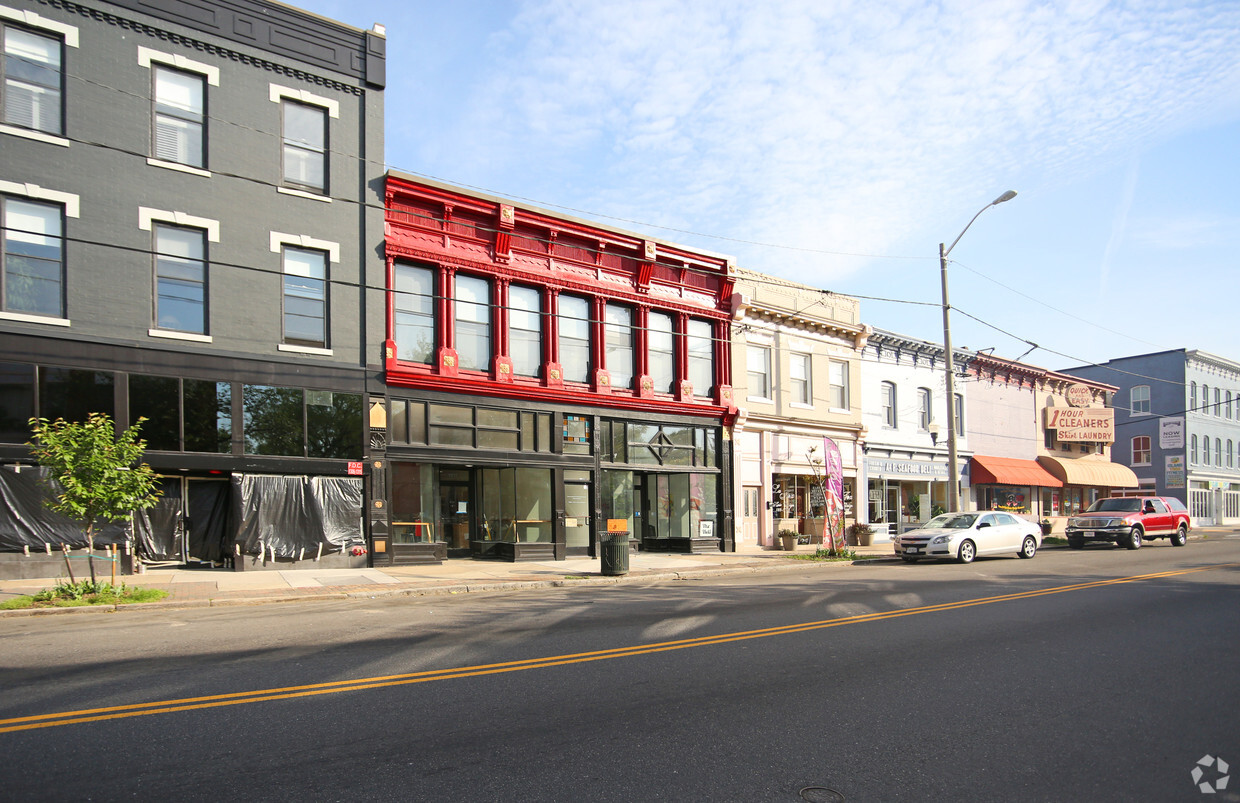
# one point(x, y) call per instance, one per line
point(179, 115)
point(304, 147)
point(5, 280)
point(205, 262)
point(324, 300)
point(5, 27)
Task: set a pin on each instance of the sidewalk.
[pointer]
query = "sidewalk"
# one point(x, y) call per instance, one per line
point(191, 588)
point(218, 587)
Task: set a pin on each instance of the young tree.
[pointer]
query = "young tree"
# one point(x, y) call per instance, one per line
point(100, 478)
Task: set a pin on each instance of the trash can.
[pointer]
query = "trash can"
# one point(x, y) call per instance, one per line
point(614, 552)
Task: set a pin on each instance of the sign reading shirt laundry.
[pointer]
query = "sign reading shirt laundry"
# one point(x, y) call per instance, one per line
point(1081, 424)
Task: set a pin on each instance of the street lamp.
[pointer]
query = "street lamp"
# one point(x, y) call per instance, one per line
point(953, 469)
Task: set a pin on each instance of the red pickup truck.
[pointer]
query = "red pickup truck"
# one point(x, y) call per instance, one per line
point(1128, 521)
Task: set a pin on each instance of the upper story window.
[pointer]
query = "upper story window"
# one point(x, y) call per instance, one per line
point(414, 313)
point(1205, 399)
point(1217, 402)
point(1231, 454)
point(799, 373)
point(958, 410)
point(305, 146)
point(889, 404)
point(661, 351)
point(620, 352)
point(574, 320)
point(1205, 451)
point(305, 297)
point(1192, 396)
point(1218, 452)
point(33, 257)
point(1141, 450)
point(700, 350)
point(1227, 405)
point(758, 371)
point(1139, 400)
point(525, 330)
point(1192, 452)
point(33, 80)
point(179, 111)
point(837, 388)
point(180, 278)
point(472, 307)
point(925, 412)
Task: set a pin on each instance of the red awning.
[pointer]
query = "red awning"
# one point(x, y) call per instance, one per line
point(987, 470)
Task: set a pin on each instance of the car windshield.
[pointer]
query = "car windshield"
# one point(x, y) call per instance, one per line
point(952, 521)
point(1130, 505)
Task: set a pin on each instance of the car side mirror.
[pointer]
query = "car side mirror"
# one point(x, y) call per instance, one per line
point(983, 524)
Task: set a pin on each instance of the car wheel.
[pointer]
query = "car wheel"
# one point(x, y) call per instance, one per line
point(1134, 538)
point(909, 558)
point(1029, 548)
point(1180, 538)
point(968, 551)
point(1076, 543)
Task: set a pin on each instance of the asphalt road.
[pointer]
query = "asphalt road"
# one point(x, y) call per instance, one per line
point(1096, 675)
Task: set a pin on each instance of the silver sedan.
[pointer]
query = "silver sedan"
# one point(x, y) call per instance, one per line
point(965, 536)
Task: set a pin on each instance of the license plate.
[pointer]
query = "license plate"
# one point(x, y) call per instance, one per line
point(910, 549)
point(1088, 534)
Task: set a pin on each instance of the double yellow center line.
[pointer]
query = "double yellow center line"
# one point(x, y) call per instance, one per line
point(289, 692)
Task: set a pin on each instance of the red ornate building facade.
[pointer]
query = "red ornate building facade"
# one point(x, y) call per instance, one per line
point(545, 376)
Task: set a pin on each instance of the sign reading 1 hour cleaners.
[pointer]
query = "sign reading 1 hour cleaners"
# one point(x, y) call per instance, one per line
point(1081, 424)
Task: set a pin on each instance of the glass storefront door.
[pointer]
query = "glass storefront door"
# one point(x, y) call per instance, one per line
point(454, 507)
point(577, 508)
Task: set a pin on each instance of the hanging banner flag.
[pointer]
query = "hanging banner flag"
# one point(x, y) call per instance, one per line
point(833, 467)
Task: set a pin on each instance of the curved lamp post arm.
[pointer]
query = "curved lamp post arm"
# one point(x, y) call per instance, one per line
point(1007, 196)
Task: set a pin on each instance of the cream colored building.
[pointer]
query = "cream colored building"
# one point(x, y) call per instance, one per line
point(796, 379)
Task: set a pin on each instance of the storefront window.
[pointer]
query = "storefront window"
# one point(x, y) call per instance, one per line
point(73, 395)
point(273, 420)
point(334, 425)
point(208, 416)
point(1010, 498)
point(413, 504)
point(158, 400)
point(516, 505)
point(617, 499)
point(16, 402)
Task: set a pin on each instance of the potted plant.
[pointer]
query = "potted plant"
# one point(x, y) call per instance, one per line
point(788, 540)
point(1047, 525)
point(861, 534)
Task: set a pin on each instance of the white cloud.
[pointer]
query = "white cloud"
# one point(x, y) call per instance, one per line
point(833, 125)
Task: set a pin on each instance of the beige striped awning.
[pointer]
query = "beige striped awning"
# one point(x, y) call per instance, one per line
point(1086, 471)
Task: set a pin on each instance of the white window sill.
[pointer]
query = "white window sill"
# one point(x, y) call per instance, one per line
point(759, 400)
point(801, 405)
point(38, 136)
point(168, 334)
point(304, 350)
point(46, 320)
point(303, 194)
point(180, 168)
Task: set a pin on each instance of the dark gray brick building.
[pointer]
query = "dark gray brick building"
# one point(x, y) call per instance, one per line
point(191, 199)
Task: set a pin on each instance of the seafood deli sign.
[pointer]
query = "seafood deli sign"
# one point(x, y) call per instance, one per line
point(906, 469)
point(1081, 424)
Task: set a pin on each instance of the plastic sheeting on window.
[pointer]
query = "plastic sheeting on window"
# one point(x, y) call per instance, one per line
point(158, 531)
point(296, 516)
point(27, 522)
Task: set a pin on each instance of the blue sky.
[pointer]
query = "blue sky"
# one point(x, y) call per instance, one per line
point(837, 143)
